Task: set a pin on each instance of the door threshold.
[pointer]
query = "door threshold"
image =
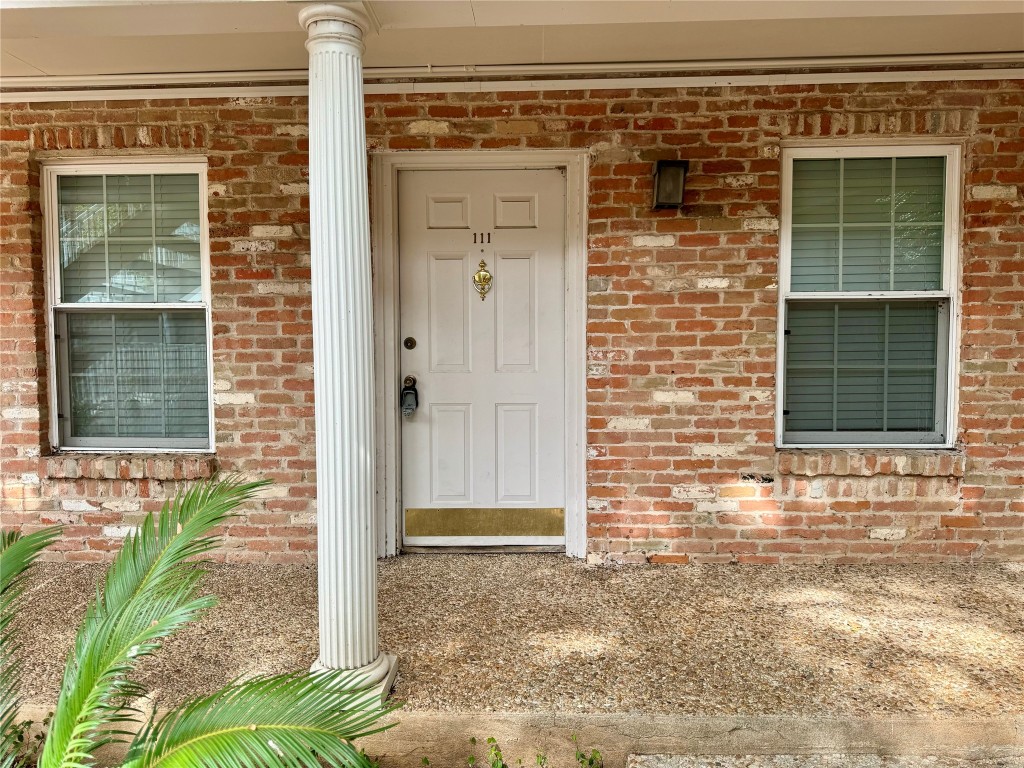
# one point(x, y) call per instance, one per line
point(506, 549)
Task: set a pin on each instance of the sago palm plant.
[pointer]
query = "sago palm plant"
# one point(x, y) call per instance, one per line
point(151, 590)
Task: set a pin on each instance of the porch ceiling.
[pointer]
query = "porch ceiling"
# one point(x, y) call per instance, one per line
point(93, 37)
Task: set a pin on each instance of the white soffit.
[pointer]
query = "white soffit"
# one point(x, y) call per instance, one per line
point(72, 39)
point(695, 41)
point(420, 14)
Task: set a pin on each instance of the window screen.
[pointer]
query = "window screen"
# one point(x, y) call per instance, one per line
point(855, 367)
point(138, 374)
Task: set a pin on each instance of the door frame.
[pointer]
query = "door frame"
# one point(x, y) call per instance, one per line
point(384, 170)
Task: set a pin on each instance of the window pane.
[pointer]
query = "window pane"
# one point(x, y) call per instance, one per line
point(129, 206)
point(918, 259)
point(130, 238)
point(887, 224)
point(185, 382)
point(812, 330)
point(912, 333)
point(866, 257)
point(82, 229)
point(131, 271)
point(862, 367)
point(859, 397)
point(80, 208)
point(178, 271)
point(92, 375)
point(815, 259)
point(84, 268)
point(911, 401)
point(177, 206)
point(920, 189)
point(138, 374)
point(810, 366)
point(861, 335)
point(809, 398)
point(139, 363)
point(867, 190)
point(815, 191)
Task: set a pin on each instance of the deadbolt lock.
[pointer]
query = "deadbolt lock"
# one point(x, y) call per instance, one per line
point(409, 343)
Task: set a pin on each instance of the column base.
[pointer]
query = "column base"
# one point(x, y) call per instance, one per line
point(378, 674)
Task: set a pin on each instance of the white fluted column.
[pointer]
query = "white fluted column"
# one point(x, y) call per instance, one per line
point(342, 343)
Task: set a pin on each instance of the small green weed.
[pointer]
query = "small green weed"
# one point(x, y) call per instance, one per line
point(496, 758)
point(28, 746)
point(583, 760)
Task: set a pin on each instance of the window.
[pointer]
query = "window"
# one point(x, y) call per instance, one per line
point(867, 293)
point(129, 300)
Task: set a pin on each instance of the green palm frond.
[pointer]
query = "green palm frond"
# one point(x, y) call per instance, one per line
point(93, 699)
point(292, 720)
point(149, 593)
point(17, 553)
point(156, 553)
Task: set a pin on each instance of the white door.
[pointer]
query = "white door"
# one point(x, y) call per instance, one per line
point(483, 453)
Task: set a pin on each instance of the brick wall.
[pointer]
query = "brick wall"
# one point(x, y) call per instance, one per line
point(259, 227)
point(681, 335)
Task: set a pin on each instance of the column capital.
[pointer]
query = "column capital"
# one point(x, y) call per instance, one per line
point(327, 23)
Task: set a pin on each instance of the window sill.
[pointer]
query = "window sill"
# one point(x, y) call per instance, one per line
point(866, 462)
point(165, 466)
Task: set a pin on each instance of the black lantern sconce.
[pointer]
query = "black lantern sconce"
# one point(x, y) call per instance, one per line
point(669, 182)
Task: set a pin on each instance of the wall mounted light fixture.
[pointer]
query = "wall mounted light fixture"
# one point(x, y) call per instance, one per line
point(669, 182)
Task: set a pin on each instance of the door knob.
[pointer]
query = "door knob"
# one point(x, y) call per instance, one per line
point(409, 398)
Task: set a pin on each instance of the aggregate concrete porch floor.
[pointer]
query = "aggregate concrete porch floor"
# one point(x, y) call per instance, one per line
point(544, 634)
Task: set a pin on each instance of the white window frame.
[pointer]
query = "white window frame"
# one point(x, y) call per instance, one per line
point(949, 292)
point(52, 170)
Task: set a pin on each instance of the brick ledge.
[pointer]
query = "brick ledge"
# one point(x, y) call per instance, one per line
point(73, 466)
point(863, 462)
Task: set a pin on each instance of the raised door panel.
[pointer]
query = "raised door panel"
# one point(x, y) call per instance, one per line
point(515, 340)
point(448, 211)
point(516, 452)
point(449, 314)
point(515, 211)
point(451, 453)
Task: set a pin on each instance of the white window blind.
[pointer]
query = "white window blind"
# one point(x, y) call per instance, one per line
point(138, 374)
point(862, 366)
point(130, 238)
point(866, 312)
point(870, 224)
point(131, 321)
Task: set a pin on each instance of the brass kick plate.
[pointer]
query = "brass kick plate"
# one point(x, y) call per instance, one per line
point(501, 521)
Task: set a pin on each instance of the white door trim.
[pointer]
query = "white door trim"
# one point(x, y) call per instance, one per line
point(385, 167)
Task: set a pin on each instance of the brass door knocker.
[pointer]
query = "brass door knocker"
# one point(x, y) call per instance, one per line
point(482, 280)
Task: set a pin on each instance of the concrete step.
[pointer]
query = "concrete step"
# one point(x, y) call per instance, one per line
point(639, 740)
point(642, 740)
point(818, 761)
